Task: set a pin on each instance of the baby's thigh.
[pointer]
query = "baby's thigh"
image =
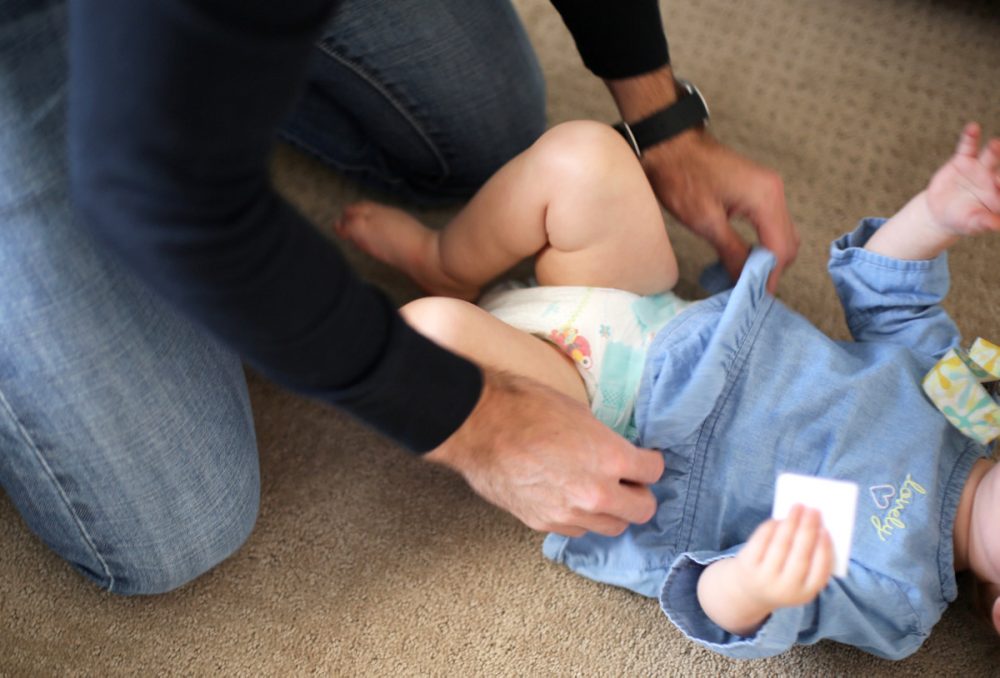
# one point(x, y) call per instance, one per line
point(603, 223)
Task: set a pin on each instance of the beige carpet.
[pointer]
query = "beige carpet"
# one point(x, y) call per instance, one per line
point(366, 561)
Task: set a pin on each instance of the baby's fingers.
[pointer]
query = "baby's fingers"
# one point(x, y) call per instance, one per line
point(968, 140)
point(821, 565)
point(990, 155)
point(781, 542)
point(987, 221)
point(753, 551)
point(803, 546)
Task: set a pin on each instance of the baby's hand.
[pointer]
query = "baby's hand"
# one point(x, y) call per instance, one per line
point(964, 195)
point(788, 562)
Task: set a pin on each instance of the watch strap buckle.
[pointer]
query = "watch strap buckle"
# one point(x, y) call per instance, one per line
point(688, 111)
point(625, 130)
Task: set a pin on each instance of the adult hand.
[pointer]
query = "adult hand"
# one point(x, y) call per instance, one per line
point(705, 184)
point(543, 457)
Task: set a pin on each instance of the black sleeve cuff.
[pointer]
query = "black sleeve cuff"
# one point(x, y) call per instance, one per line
point(418, 394)
point(616, 39)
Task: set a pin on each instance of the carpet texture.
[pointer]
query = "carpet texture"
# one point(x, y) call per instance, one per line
point(367, 561)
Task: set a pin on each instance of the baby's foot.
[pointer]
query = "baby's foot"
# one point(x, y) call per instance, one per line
point(394, 237)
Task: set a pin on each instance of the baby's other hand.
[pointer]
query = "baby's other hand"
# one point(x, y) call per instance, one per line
point(788, 562)
point(964, 195)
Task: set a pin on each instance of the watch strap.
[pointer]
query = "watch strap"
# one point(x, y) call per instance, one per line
point(688, 111)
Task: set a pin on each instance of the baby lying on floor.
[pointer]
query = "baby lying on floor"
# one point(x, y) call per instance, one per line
point(733, 390)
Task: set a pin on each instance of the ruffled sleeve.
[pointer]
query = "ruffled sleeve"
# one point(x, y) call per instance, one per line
point(865, 609)
point(892, 300)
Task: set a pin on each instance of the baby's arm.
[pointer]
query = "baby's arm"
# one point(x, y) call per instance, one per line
point(784, 564)
point(963, 198)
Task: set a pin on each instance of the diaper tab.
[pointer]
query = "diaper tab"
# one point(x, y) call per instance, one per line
point(955, 386)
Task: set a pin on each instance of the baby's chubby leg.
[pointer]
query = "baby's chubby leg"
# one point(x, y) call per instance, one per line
point(580, 201)
point(396, 238)
point(472, 332)
point(577, 199)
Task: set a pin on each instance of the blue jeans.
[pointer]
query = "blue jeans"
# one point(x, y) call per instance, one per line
point(422, 98)
point(126, 435)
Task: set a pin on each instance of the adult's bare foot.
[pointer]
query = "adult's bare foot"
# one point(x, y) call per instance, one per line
point(398, 239)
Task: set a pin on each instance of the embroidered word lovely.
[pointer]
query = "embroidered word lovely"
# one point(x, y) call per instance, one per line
point(894, 518)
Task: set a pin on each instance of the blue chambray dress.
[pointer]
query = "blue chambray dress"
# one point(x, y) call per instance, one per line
point(738, 389)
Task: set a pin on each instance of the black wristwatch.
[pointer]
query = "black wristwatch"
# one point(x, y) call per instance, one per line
point(690, 110)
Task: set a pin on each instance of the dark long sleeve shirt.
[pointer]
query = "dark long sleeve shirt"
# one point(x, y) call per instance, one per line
point(172, 111)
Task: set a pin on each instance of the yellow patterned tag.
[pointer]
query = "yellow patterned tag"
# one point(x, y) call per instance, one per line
point(955, 386)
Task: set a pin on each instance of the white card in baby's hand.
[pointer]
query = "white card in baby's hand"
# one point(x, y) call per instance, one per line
point(836, 500)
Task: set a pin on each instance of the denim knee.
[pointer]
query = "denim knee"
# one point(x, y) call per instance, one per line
point(137, 465)
point(126, 435)
point(430, 125)
point(184, 549)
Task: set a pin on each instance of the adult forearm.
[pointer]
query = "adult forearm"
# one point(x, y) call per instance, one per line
point(641, 95)
point(627, 47)
point(173, 107)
